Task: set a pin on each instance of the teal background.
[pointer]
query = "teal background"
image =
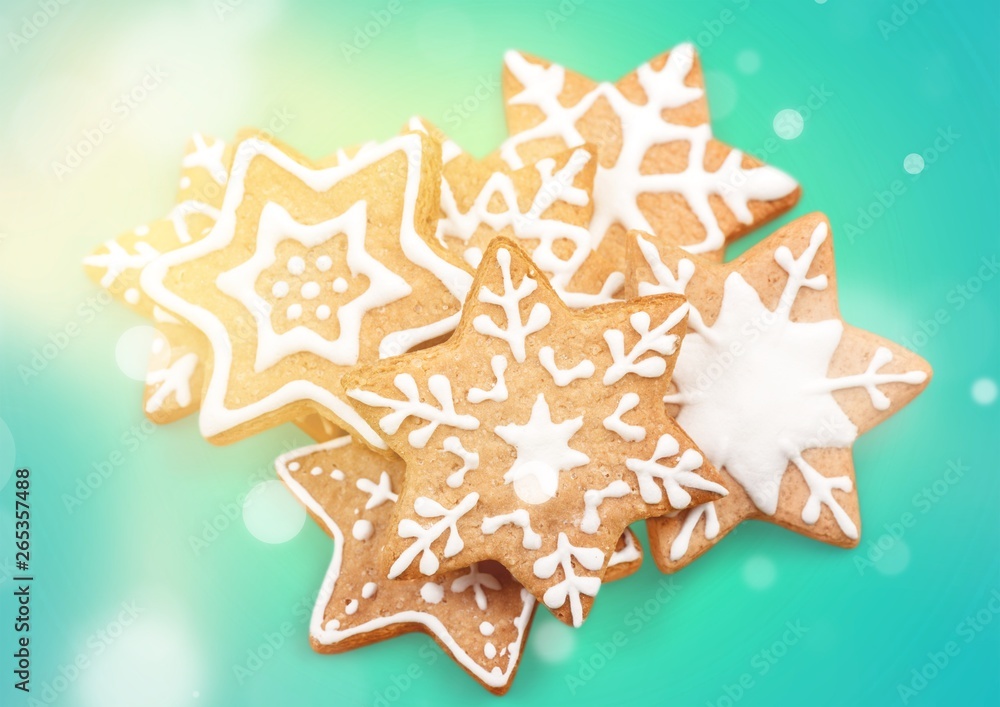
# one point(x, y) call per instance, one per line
point(717, 640)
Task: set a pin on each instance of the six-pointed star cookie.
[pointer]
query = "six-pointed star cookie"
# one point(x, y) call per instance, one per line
point(773, 386)
point(479, 616)
point(546, 207)
point(308, 270)
point(660, 169)
point(535, 435)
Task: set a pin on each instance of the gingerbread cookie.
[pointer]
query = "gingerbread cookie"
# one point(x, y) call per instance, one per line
point(660, 170)
point(309, 270)
point(546, 207)
point(479, 616)
point(534, 435)
point(773, 386)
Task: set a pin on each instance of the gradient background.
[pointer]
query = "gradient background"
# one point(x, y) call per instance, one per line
point(230, 64)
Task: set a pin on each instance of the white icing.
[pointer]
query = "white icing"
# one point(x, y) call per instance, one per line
point(208, 157)
point(277, 225)
point(563, 377)
point(216, 417)
point(479, 582)
point(330, 633)
point(432, 593)
point(674, 478)
point(510, 301)
point(117, 260)
point(439, 387)
point(486, 628)
point(489, 650)
point(520, 518)
point(572, 585)
point(379, 492)
point(614, 422)
point(542, 452)
point(423, 537)
point(656, 339)
point(179, 213)
point(498, 392)
point(756, 415)
point(470, 461)
point(368, 591)
point(324, 263)
point(173, 380)
point(362, 530)
point(593, 498)
point(629, 553)
point(337, 475)
point(642, 127)
point(316, 470)
point(352, 607)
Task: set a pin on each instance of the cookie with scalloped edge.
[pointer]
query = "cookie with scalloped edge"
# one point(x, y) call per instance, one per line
point(535, 435)
point(480, 617)
point(310, 268)
point(661, 170)
point(773, 385)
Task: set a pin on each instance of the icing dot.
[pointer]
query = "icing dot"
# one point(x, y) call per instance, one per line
point(486, 628)
point(759, 572)
point(296, 265)
point(324, 263)
point(7, 453)
point(895, 555)
point(280, 288)
point(489, 650)
point(340, 285)
point(368, 591)
point(322, 312)
point(185, 182)
point(984, 391)
point(362, 530)
point(141, 230)
point(294, 466)
point(310, 290)
point(332, 624)
point(337, 475)
point(271, 513)
point(132, 350)
point(432, 593)
point(788, 124)
point(352, 606)
point(294, 311)
point(553, 641)
point(748, 62)
point(132, 295)
point(913, 163)
point(316, 471)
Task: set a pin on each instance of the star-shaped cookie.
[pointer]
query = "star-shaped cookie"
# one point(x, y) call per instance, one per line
point(309, 269)
point(479, 616)
point(773, 386)
point(660, 170)
point(546, 207)
point(534, 435)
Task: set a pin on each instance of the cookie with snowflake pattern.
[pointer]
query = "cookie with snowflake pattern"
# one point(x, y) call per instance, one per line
point(660, 170)
point(480, 616)
point(546, 207)
point(311, 268)
point(773, 385)
point(535, 435)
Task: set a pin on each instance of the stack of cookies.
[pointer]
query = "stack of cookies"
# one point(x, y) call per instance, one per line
point(506, 362)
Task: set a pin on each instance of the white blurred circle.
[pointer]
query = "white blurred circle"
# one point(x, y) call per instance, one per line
point(748, 62)
point(133, 350)
point(722, 95)
point(788, 124)
point(913, 163)
point(894, 560)
point(759, 572)
point(271, 513)
point(552, 640)
point(984, 391)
